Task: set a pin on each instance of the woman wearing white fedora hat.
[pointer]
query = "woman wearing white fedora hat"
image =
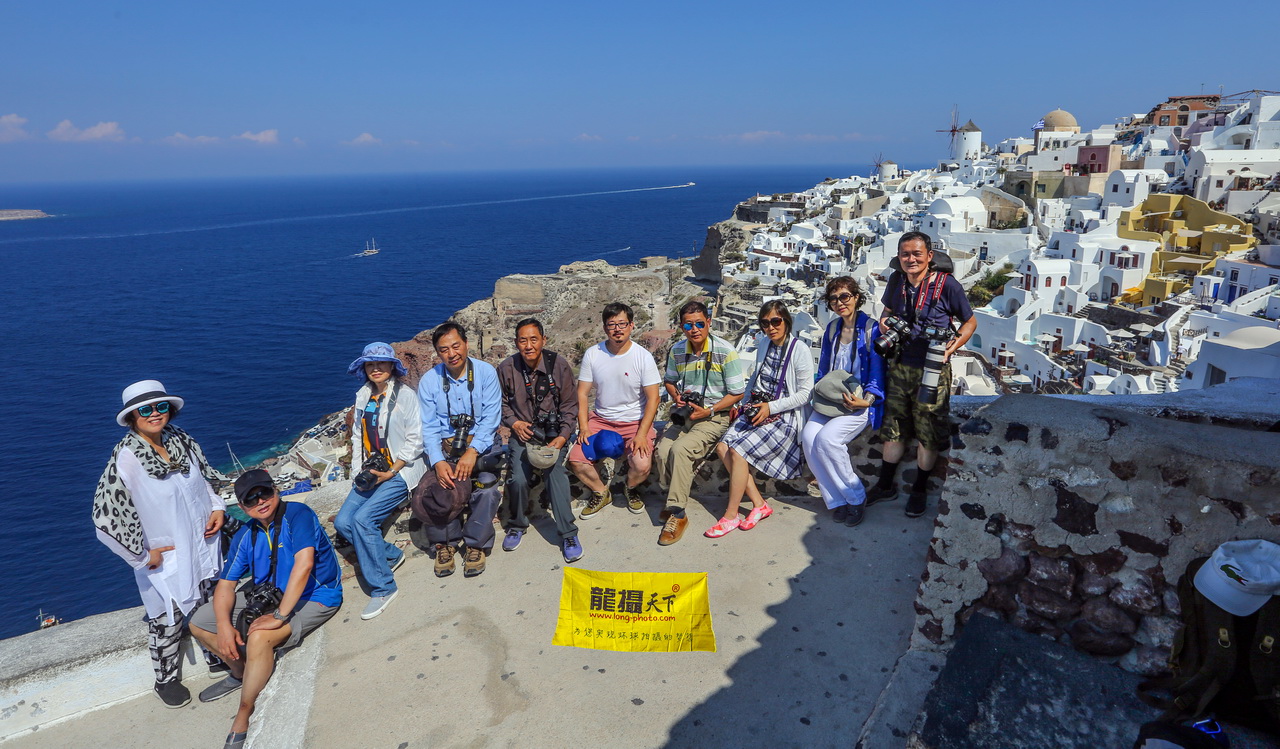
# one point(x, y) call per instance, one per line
point(155, 508)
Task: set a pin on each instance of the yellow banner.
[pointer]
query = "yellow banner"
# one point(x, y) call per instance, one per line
point(635, 612)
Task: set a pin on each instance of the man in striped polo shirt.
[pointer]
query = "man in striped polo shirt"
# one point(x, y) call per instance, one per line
point(704, 379)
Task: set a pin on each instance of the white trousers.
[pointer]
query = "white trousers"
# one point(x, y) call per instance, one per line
point(825, 441)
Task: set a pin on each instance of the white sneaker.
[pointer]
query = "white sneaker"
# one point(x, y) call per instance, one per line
point(377, 604)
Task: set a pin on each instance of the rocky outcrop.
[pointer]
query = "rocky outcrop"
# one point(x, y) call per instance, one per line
point(725, 242)
point(568, 303)
point(14, 215)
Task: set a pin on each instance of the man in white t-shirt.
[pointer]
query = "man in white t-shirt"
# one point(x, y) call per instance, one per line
point(626, 379)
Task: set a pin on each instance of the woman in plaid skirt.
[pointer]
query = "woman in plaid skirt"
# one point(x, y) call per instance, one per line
point(766, 436)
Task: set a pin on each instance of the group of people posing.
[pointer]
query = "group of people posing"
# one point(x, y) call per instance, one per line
point(438, 449)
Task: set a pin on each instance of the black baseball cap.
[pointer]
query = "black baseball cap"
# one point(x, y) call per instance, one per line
point(250, 480)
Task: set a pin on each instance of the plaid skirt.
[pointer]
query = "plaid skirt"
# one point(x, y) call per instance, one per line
point(773, 448)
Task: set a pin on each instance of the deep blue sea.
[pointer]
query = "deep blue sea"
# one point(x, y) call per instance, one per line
point(243, 298)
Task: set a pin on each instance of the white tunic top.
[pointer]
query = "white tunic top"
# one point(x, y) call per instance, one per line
point(173, 511)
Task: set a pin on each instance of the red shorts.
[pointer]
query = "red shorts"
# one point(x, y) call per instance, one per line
point(627, 429)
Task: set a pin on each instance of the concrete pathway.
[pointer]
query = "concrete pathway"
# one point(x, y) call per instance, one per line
point(810, 618)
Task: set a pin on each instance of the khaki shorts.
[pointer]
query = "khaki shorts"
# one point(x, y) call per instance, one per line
point(905, 418)
point(303, 622)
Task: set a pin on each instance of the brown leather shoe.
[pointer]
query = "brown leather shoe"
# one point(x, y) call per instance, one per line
point(473, 563)
point(673, 530)
point(444, 560)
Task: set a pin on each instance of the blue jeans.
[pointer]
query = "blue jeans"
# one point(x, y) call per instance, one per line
point(360, 522)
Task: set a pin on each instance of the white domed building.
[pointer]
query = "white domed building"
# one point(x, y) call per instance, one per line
point(1057, 121)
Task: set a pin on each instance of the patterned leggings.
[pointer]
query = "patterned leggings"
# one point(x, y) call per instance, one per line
point(165, 640)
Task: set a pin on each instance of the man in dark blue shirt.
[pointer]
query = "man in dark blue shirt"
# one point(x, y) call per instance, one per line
point(923, 297)
point(284, 546)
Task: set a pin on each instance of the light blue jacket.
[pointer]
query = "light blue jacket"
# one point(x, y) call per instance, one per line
point(484, 403)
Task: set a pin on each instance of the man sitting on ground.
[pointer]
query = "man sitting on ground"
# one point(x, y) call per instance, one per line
point(287, 552)
point(461, 405)
point(626, 379)
point(540, 409)
point(704, 379)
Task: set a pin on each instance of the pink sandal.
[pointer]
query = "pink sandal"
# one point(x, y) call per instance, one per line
point(721, 528)
point(755, 516)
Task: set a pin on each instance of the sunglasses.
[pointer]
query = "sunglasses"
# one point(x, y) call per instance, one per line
point(772, 322)
point(839, 298)
point(691, 325)
point(256, 496)
point(158, 408)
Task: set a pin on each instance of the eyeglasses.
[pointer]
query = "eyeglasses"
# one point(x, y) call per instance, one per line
point(772, 322)
point(256, 497)
point(699, 324)
point(839, 298)
point(160, 408)
point(616, 325)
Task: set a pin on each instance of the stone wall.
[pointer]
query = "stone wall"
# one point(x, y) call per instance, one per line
point(1074, 519)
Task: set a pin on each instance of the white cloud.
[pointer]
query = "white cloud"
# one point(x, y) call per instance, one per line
point(265, 138)
point(103, 131)
point(181, 139)
point(760, 135)
point(363, 139)
point(11, 128)
point(299, 141)
point(586, 138)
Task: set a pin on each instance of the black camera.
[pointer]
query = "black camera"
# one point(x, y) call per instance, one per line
point(896, 331)
point(754, 401)
point(546, 427)
point(933, 363)
point(260, 599)
point(461, 424)
point(365, 481)
point(680, 414)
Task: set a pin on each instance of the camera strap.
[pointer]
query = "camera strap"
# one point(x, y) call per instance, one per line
point(782, 371)
point(554, 389)
point(471, 390)
point(273, 534)
point(929, 292)
point(706, 367)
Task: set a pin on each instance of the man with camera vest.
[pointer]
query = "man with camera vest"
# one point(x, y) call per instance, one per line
point(920, 302)
point(540, 407)
point(295, 586)
point(461, 405)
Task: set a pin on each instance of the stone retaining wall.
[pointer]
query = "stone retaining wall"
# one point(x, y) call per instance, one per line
point(1074, 520)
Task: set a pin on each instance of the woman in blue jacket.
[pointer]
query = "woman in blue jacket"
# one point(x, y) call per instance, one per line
point(846, 345)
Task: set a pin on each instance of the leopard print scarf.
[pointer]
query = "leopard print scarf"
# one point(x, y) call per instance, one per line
point(113, 510)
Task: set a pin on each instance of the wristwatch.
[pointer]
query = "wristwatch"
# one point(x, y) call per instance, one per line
point(277, 616)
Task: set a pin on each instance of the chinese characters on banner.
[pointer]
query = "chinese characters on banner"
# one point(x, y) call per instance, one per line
point(657, 612)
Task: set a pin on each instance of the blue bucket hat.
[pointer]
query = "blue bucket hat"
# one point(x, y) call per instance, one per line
point(377, 351)
point(605, 443)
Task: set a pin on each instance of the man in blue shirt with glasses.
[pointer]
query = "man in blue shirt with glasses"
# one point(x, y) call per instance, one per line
point(461, 405)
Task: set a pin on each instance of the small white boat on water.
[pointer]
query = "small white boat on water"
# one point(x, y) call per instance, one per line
point(370, 248)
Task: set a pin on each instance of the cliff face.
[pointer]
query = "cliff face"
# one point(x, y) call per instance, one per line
point(728, 238)
point(568, 304)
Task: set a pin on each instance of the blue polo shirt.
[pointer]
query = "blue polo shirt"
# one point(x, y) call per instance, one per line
point(299, 529)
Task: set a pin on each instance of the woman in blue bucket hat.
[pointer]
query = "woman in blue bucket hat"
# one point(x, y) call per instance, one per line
point(386, 459)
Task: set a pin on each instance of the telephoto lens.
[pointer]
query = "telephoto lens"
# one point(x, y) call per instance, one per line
point(934, 359)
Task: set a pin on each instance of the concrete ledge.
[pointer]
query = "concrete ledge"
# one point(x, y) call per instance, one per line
point(74, 668)
point(900, 703)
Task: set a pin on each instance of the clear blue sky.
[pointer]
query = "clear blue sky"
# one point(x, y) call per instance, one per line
point(96, 90)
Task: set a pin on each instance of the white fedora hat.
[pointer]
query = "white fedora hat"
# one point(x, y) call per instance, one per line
point(142, 393)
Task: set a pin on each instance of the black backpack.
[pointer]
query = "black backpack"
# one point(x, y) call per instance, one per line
point(1222, 664)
